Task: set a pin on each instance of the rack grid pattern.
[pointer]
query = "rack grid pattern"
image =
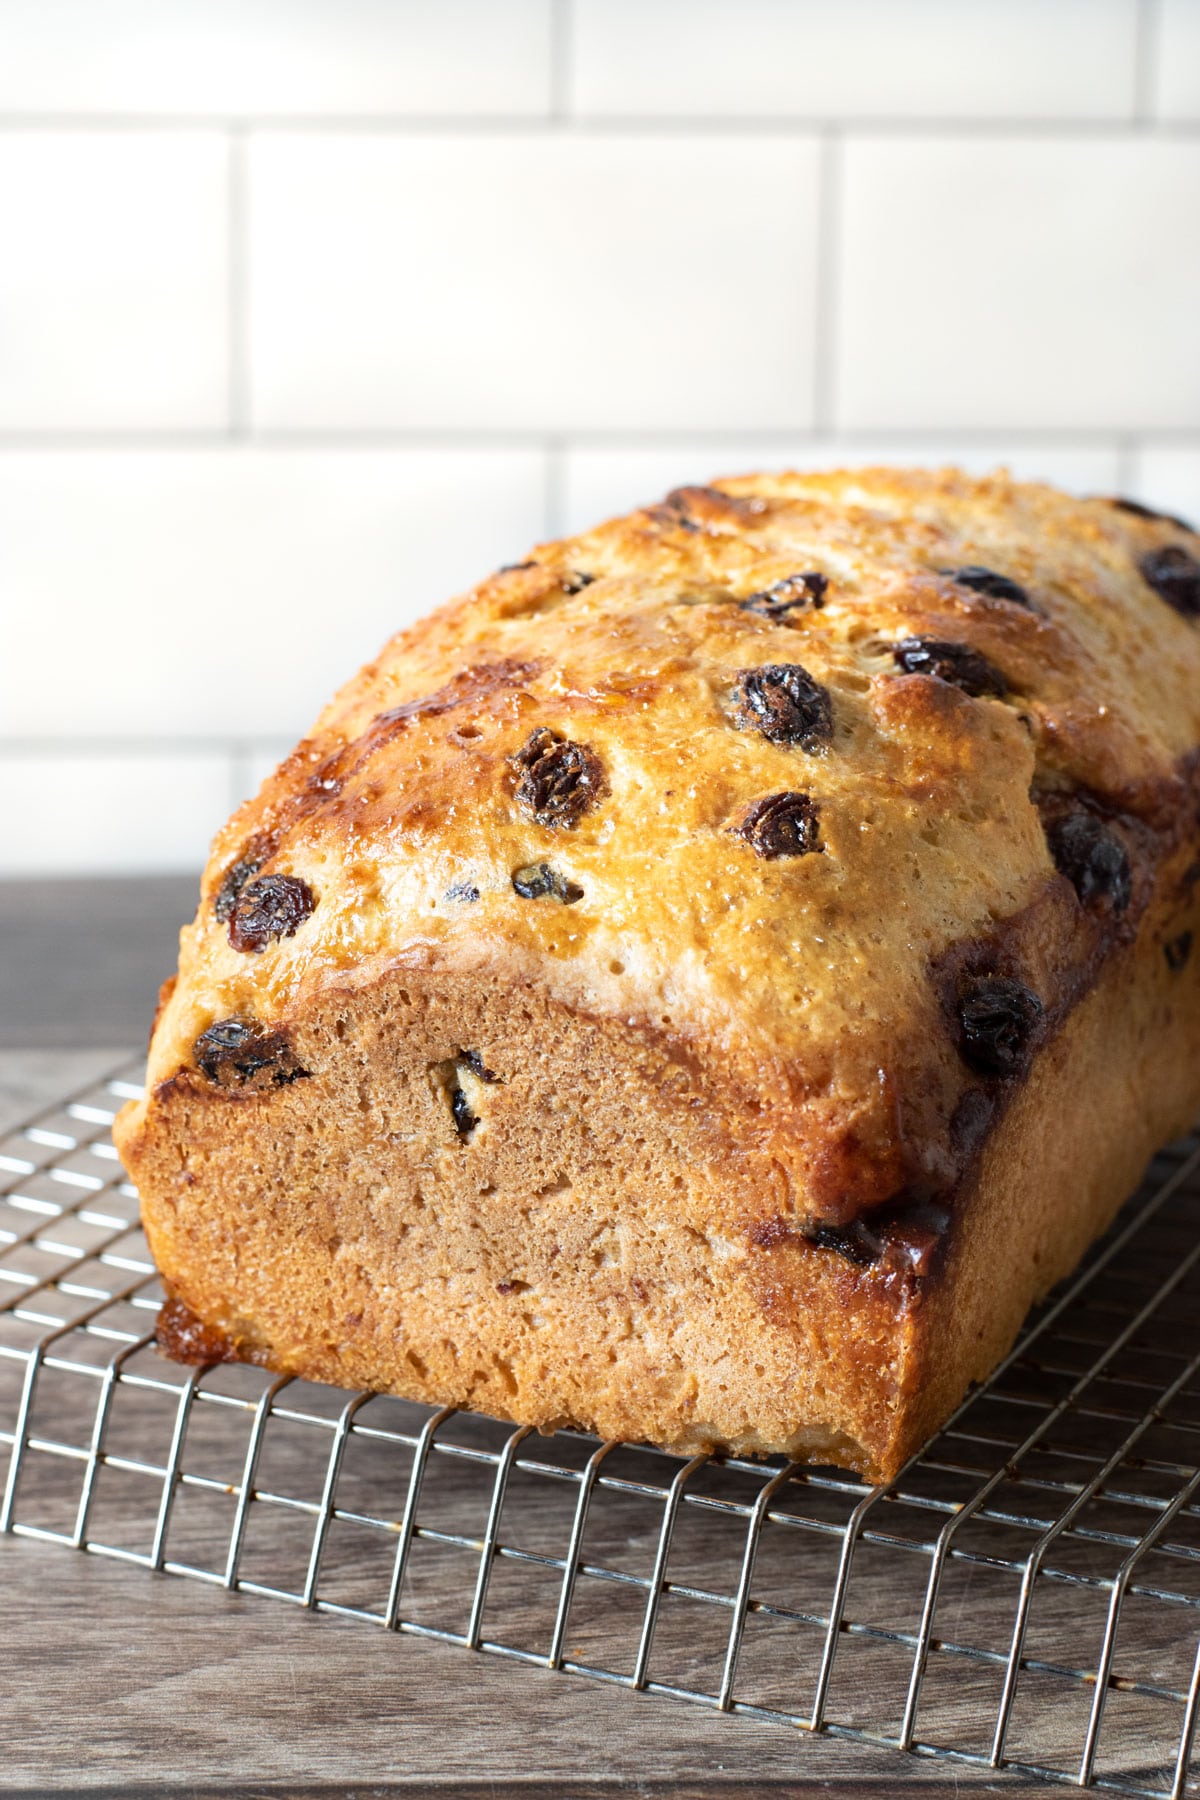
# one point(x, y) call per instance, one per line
point(1026, 1594)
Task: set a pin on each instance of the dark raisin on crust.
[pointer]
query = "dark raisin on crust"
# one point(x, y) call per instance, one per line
point(784, 702)
point(233, 1052)
point(1140, 511)
point(232, 883)
point(998, 1022)
point(1175, 577)
point(701, 508)
point(958, 664)
point(1093, 859)
point(781, 825)
point(558, 781)
point(536, 881)
point(254, 853)
point(787, 596)
point(988, 582)
point(272, 907)
point(575, 580)
point(1177, 951)
point(465, 891)
point(515, 568)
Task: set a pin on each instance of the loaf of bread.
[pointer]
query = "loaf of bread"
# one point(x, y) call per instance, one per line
point(705, 983)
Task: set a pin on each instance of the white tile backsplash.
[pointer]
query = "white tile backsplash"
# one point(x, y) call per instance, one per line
point(1018, 282)
point(253, 766)
point(239, 586)
point(823, 59)
point(114, 281)
point(265, 57)
point(539, 283)
point(100, 811)
point(600, 483)
point(311, 311)
point(1168, 476)
point(1177, 60)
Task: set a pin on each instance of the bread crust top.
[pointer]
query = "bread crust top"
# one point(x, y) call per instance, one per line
point(786, 772)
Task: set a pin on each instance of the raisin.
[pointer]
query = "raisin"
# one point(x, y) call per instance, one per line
point(558, 781)
point(272, 907)
point(461, 1111)
point(998, 1021)
point(904, 1236)
point(514, 568)
point(958, 664)
point(1093, 859)
point(1149, 512)
point(988, 582)
point(180, 1335)
point(1177, 952)
point(786, 596)
point(786, 705)
point(254, 854)
point(971, 1121)
point(781, 825)
point(465, 891)
point(1175, 577)
point(536, 881)
point(857, 1243)
point(233, 1052)
point(574, 581)
point(465, 1120)
point(705, 508)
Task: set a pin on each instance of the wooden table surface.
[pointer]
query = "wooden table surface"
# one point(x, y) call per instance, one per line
point(113, 1680)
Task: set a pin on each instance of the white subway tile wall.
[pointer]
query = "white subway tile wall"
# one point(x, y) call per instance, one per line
point(1028, 282)
point(239, 586)
point(1176, 68)
point(275, 58)
point(543, 283)
point(114, 281)
point(311, 311)
point(846, 59)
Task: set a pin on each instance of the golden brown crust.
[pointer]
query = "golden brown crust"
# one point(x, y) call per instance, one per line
point(794, 832)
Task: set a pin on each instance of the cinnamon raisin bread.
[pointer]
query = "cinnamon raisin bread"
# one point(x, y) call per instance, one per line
point(707, 981)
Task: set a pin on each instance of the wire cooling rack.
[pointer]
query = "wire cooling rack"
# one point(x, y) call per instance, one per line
point(1025, 1595)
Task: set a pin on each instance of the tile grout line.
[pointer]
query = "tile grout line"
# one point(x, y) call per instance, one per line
point(20, 749)
point(500, 439)
point(239, 753)
point(613, 124)
point(562, 33)
point(1146, 40)
point(556, 488)
point(1128, 460)
point(237, 296)
point(830, 200)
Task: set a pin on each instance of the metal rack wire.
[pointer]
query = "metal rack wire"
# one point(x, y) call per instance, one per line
point(1025, 1595)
